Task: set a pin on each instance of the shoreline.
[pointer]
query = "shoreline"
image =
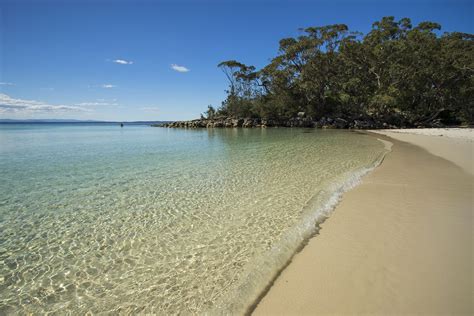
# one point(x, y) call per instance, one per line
point(412, 258)
point(317, 218)
point(336, 122)
point(455, 144)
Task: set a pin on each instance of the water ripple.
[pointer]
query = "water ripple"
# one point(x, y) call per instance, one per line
point(159, 221)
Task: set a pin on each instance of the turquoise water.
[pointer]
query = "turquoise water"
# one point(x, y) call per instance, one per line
point(95, 218)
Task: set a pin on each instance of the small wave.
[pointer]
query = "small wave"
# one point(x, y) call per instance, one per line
point(269, 266)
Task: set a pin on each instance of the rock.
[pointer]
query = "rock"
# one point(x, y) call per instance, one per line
point(248, 122)
point(237, 122)
point(300, 120)
point(341, 123)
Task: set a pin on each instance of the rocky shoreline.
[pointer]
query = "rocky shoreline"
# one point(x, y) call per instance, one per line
point(228, 122)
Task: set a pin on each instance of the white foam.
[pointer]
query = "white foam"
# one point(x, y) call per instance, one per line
point(269, 266)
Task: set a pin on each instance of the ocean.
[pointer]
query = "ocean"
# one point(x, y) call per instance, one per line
point(102, 219)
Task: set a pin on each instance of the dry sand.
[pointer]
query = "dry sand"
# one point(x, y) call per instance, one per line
point(455, 145)
point(454, 133)
point(399, 243)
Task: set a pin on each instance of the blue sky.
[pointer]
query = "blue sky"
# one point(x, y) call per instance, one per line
point(114, 60)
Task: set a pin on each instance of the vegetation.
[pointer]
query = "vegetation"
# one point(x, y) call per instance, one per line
point(397, 73)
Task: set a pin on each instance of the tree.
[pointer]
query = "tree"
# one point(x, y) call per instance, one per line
point(210, 113)
point(396, 73)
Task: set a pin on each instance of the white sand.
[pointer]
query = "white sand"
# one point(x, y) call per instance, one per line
point(454, 144)
point(401, 243)
point(457, 133)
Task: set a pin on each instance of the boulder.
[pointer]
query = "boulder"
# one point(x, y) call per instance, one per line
point(340, 123)
point(237, 122)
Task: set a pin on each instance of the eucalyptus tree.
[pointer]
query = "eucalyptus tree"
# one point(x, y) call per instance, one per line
point(397, 73)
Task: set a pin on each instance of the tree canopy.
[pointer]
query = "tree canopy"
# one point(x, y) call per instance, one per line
point(398, 73)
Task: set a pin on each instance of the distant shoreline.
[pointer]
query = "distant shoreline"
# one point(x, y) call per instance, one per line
point(299, 121)
point(6, 121)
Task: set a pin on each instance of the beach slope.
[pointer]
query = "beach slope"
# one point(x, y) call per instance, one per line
point(399, 243)
point(453, 144)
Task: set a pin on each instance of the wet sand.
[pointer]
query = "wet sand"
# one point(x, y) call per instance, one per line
point(399, 243)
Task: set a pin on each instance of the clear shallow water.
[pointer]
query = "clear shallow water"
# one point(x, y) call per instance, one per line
point(140, 219)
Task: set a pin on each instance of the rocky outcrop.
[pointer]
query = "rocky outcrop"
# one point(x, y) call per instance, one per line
point(299, 121)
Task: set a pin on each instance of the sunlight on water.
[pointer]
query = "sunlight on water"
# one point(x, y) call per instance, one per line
point(150, 220)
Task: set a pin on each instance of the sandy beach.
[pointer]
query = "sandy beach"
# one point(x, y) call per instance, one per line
point(399, 243)
point(453, 144)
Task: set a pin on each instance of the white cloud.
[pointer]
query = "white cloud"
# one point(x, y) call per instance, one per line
point(108, 86)
point(179, 68)
point(11, 105)
point(6, 84)
point(122, 61)
point(96, 103)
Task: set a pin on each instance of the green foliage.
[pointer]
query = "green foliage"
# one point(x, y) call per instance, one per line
point(210, 113)
point(408, 75)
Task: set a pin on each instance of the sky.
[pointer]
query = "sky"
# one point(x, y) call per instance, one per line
point(157, 60)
